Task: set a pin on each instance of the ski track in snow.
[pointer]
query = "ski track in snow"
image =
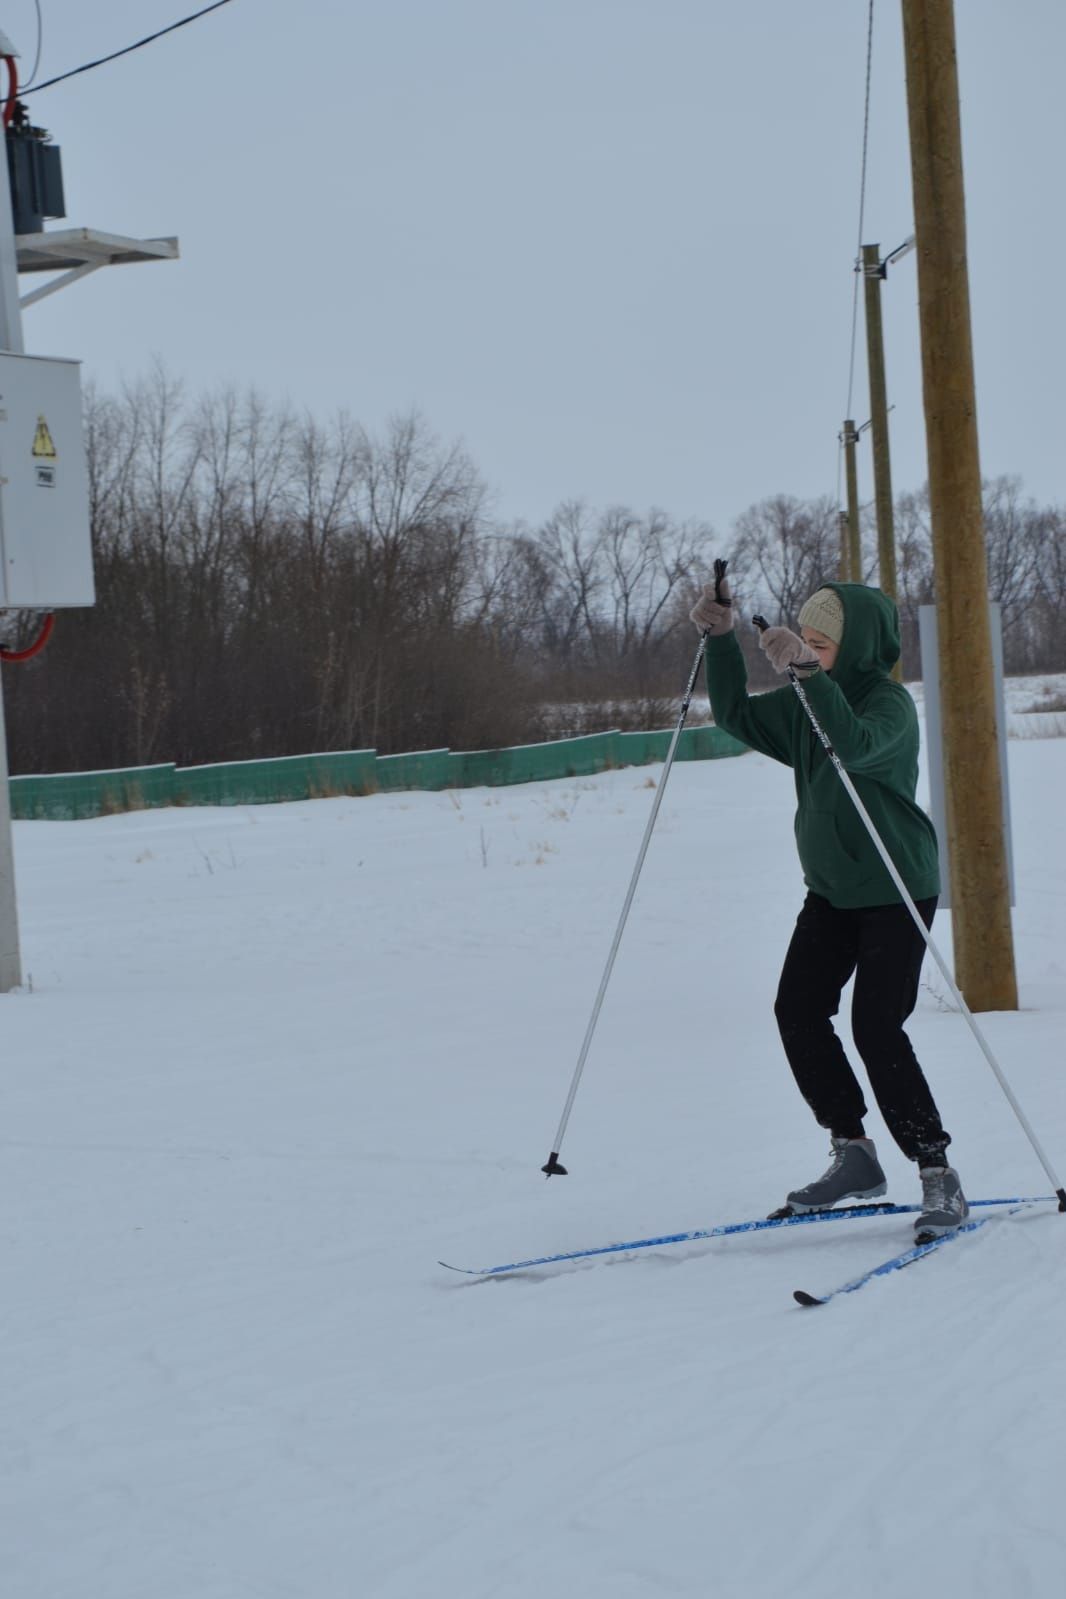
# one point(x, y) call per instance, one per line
point(276, 1061)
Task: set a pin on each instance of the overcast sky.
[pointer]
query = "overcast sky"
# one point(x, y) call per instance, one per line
point(608, 243)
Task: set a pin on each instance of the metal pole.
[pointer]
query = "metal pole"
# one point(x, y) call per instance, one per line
point(850, 437)
point(551, 1167)
point(10, 339)
point(927, 936)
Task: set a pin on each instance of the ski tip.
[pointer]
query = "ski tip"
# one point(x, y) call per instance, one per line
point(806, 1299)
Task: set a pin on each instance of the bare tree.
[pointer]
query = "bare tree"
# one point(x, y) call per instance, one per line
point(569, 547)
point(270, 585)
point(1013, 527)
point(783, 548)
point(648, 560)
point(1049, 596)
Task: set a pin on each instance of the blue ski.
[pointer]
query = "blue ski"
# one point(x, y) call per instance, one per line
point(729, 1229)
point(908, 1256)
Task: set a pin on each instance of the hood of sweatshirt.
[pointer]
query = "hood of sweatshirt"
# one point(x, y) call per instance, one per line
point(869, 648)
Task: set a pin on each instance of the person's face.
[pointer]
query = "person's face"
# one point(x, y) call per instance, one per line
point(823, 647)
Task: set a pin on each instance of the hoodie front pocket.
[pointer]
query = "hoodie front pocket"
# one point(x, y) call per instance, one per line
point(828, 856)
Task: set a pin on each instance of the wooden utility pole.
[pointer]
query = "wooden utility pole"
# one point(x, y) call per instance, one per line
point(844, 563)
point(873, 273)
point(849, 438)
point(984, 949)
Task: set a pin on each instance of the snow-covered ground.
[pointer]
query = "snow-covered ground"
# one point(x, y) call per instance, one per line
point(271, 1064)
point(1036, 708)
point(1029, 703)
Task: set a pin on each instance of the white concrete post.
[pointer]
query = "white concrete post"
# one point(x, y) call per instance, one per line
point(10, 339)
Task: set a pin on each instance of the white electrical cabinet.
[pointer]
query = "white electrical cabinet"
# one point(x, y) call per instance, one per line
point(45, 541)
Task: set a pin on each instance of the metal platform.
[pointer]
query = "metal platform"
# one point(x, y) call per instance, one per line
point(75, 252)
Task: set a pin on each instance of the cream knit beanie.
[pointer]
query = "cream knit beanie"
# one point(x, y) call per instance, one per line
point(825, 612)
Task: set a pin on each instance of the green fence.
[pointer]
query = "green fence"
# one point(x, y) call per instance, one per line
point(533, 763)
point(289, 777)
point(424, 769)
point(69, 796)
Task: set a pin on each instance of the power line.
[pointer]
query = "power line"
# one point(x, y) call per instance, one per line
point(858, 257)
point(40, 41)
point(128, 50)
point(862, 203)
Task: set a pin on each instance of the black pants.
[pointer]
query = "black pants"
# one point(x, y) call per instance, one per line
point(884, 949)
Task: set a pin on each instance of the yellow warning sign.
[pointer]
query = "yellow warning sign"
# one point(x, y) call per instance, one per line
point(42, 441)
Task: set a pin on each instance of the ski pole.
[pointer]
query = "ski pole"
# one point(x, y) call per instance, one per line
point(1060, 1192)
point(551, 1167)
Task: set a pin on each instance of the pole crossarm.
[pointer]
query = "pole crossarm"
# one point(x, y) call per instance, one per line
point(55, 284)
point(879, 268)
point(897, 254)
point(76, 253)
point(66, 249)
point(77, 247)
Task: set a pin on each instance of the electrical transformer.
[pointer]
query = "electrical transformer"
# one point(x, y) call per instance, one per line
point(35, 172)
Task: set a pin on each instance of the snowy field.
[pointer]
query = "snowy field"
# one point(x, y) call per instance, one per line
point(1028, 702)
point(272, 1064)
point(1035, 705)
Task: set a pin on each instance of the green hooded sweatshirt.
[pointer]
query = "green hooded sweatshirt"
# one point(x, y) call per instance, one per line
point(873, 726)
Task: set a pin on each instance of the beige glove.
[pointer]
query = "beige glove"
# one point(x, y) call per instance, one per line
point(711, 615)
point(783, 649)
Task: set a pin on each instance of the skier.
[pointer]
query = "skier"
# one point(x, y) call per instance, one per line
point(853, 919)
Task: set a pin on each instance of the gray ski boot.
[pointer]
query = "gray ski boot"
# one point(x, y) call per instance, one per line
point(944, 1204)
point(855, 1173)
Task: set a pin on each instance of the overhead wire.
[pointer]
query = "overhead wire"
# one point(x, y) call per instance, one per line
point(40, 41)
point(150, 38)
point(862, 203)
point(858, 250)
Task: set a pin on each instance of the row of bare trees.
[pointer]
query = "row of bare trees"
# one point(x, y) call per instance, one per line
point(269, 584)
point(782, 548)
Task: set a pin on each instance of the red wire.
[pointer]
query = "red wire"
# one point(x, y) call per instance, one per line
point(12, 89)
point(38, 644)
